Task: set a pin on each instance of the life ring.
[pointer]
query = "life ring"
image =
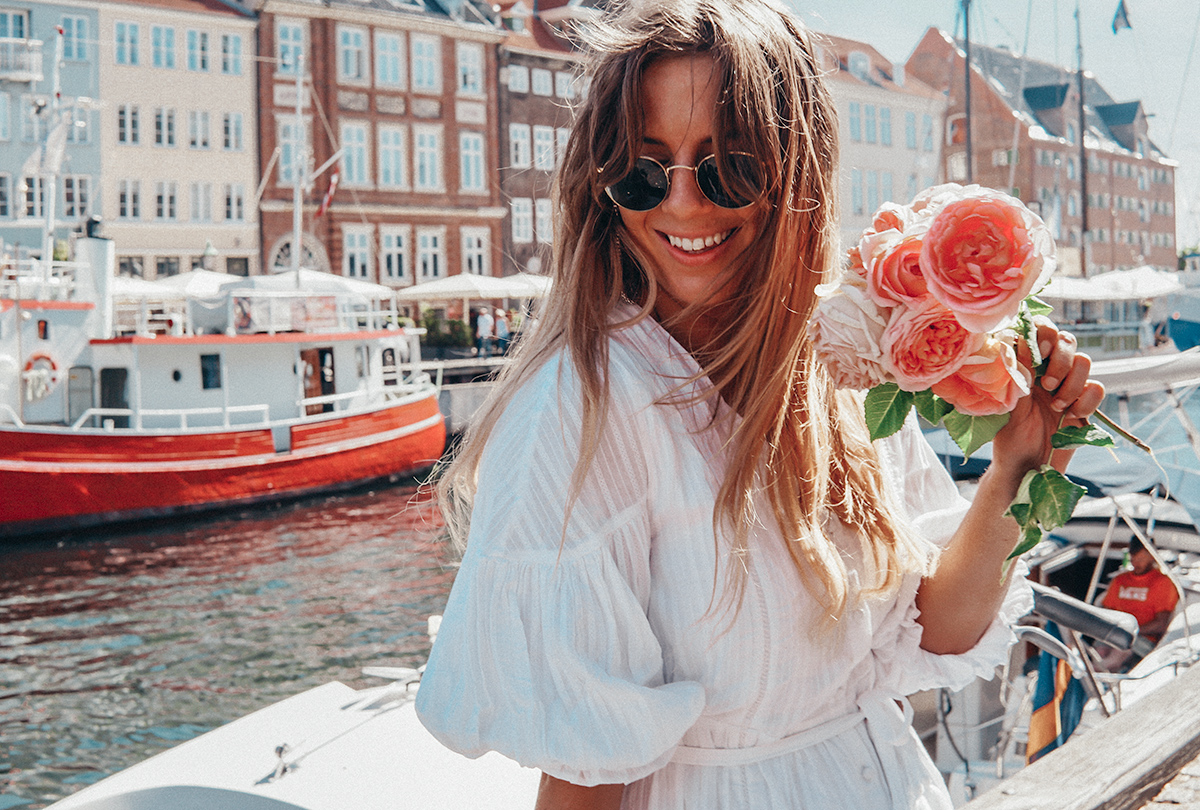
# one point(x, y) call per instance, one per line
point(41, 374)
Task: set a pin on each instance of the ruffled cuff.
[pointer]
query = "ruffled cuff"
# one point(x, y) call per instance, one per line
point(554, 664)
point(905, 668)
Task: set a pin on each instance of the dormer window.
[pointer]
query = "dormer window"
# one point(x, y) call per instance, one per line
point(859, 64)
point(1070, 133)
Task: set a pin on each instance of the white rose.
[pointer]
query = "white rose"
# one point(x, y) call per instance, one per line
point(846, 328)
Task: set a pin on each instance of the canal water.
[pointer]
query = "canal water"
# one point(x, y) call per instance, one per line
point(114, 647)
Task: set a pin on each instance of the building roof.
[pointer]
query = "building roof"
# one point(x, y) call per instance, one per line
point(197, 6)
point(875, 71)
point(1012, 77)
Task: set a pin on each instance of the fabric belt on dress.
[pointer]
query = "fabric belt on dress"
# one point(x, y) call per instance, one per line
point(889, 722)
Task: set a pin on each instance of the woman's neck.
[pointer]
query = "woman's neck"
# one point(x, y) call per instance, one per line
point(694, 330)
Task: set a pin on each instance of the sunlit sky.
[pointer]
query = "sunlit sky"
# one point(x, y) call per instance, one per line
point(1146, 62)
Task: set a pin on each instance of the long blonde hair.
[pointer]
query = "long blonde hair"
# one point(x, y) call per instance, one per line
point(797, 440)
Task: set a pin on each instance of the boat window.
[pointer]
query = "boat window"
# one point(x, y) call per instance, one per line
point(210, 371)
point(43, 330)
point(389, 366)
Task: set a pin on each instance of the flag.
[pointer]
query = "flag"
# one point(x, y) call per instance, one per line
point(328, 198)
point(1057, 704)
point(1121, 18)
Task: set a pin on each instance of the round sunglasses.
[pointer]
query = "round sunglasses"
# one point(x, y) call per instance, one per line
point(649, 182)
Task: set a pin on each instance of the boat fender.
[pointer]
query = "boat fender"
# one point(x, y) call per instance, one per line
point(41, 374)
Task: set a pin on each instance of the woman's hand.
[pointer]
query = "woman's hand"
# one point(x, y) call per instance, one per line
point(1063, 395)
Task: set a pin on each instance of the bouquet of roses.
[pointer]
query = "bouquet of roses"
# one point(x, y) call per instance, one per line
point(928, 314)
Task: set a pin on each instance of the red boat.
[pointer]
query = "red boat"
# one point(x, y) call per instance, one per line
point(119, 406)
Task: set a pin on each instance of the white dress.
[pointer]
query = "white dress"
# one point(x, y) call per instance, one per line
point(592, 653)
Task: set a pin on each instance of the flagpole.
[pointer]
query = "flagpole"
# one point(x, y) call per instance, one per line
point(299, 167)
point(1083, 165)
point(966, 4)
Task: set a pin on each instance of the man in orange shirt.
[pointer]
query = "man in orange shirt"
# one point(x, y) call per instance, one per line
point(1144, 592)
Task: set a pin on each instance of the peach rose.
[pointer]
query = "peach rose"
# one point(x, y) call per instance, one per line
point(845, 329)
point(989, 382)
point(924, 343)
point(893, 267)
point(855, 266)
point(891, 216)
point(983, 255)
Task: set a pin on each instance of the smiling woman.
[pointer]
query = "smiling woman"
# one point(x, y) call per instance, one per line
point(690, 579)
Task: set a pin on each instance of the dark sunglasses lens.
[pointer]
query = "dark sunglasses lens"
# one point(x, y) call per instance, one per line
point(643, 188)
point(745, 180)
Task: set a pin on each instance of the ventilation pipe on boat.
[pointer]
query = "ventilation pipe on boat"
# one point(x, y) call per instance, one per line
point(98, 255)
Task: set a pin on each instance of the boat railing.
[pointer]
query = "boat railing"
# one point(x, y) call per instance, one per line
point(29, 279)
point(179, 416)
point(20, 59)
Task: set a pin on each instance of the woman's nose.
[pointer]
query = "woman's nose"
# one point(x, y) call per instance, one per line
point(684, 192)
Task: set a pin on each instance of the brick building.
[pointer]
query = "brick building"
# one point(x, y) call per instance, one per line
point(1025, 139)
point(539, 85)
point(408, 91)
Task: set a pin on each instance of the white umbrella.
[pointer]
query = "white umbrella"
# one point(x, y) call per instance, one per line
point(126, 287)
point(466, 286)
point(316, 281)
point(1141, 282)
point(199, 283)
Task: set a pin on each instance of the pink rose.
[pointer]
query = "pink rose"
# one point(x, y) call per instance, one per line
point(855, 263)
point(891, 216)
point(924, 343)
point(983, 255)
point(989, 382)
point(893, 267)
point(845, 329)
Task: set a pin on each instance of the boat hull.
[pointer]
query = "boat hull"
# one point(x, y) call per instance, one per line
point(53, 479)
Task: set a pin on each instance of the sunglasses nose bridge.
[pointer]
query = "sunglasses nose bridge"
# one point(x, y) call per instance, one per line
point(694, 187)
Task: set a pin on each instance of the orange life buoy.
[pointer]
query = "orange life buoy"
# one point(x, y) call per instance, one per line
point(33, 361)
point(41, 374)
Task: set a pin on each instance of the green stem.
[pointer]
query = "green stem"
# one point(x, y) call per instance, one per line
point(1120, 431)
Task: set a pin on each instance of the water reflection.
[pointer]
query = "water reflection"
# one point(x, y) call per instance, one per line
point(116, 648)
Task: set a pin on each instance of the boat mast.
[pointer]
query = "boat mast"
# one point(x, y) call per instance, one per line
point(299, 169)
point(966, 5)
point(47, 176)
point(1083, 166)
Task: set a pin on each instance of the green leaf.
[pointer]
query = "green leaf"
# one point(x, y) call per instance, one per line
point(886, 408)
point(972, 432)
point(1054, 497)
point(1037, 306)
point(931, 407)
point(1030, 537)
point(1020, 512)
point(1027, 331)
point(1079, 436)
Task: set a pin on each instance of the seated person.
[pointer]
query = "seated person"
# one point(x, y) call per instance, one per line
point(1144, 592)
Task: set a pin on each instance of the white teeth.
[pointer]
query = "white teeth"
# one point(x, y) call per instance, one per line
point(699, 243)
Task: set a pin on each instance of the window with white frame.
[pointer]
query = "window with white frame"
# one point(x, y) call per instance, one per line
point(34, 191)
point(520, 148)
point(389, 59)
point(198, 130)
point(292, 139)
point(231, 54)
point(289, 45)
point(885, 126)
point(12, 24)
point(231, 127)
point(562, 136)
point(855, 121)
point(543, 147)
point(426, 63)
point(872, 190)
point(5, 190)
point(542, 81)
point(79, 130)
point(33, 126)
point(469, 58)
point(856, 192)
point(129, 202)
point(162, 46)
point(910, 129)
point(125, 43)
point(431, 252)
point(165, 195)
point(164, 126)
point(475, 250)
point(869, 129)
point(75, 38)
point(522, 220)
point(518, 79)
point(427, 158)
point(393, 254)
point(392, 153)
point(5, 117)
point(77, 196)
point(543, 222)
point(470, 153)
point(197, 51)
point(564, 84)
point(927, 133)
point(351, 54)
point(354, 156)
point(356, 251)
point(887, 187)
point(128, 130)
point(235, 202)
point(201, 202)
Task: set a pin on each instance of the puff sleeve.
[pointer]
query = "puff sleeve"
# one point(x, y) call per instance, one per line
point(545, 653)
point(935, 509)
